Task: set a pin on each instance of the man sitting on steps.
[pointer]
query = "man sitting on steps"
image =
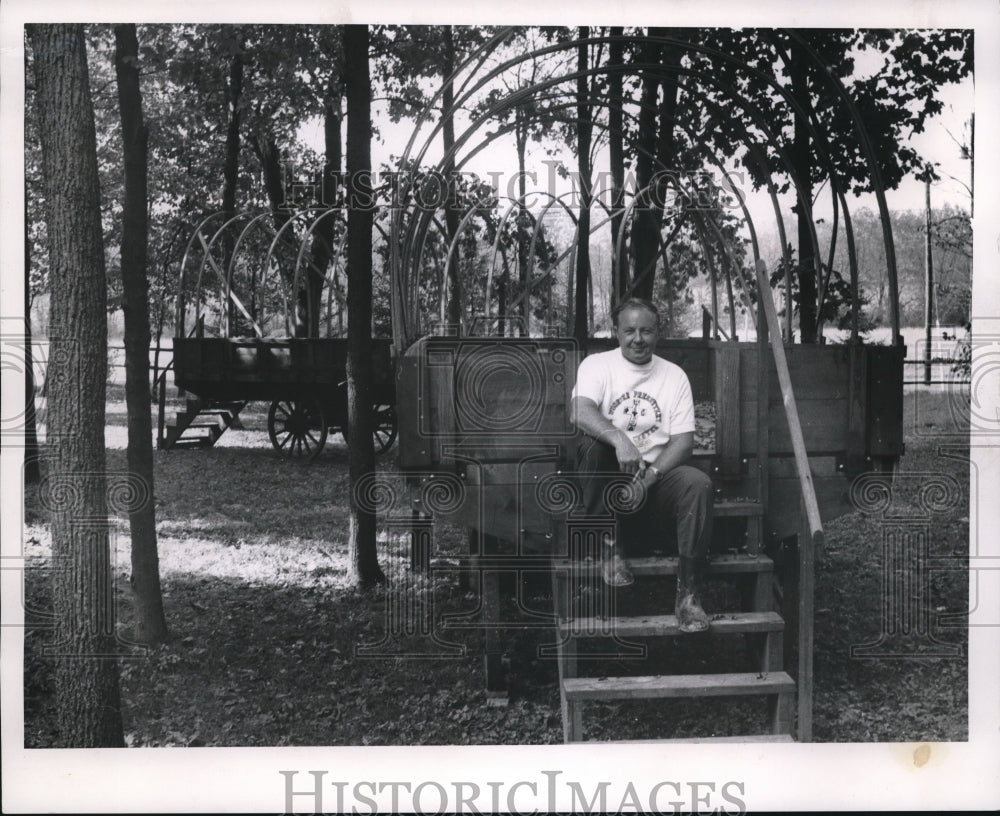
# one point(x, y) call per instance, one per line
point(637, 413)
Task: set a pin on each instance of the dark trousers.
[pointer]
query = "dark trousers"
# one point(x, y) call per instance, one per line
point(677, 508)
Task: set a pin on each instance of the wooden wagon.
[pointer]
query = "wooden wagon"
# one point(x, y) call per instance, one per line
point(793, 425)
point(304, 379)
point(493, 413)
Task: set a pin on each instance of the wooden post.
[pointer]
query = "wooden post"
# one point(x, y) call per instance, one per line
point(727, 406)
point(809, 539)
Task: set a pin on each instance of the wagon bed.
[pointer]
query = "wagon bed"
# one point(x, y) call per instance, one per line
point(305, 380)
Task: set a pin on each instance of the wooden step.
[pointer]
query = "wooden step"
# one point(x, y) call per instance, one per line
point(680, 685)
point(199, 442)
point(218, 406)
point(729, 623)
point(727, 564)
point(726, 508)
point(181, 420)
point(746, 738)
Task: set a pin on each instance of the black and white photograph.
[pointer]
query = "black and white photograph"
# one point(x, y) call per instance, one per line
point(488, 408)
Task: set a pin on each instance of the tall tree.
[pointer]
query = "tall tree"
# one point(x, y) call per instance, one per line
point(453, 277)
point(32, 472)
point(232, 162)
point(151, 625)
point(87, 686)
point(585, 127)
point(360, 218)
point(645, 232)
point(616, 158)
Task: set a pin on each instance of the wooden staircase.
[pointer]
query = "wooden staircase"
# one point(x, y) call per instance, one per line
point(585, 609)
point(588, 610)
point(200, 424)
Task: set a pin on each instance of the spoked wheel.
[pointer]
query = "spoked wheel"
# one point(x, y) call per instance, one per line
point(297, 427)
point(384, 426)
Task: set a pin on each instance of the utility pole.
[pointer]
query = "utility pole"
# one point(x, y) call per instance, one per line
point(929, 290)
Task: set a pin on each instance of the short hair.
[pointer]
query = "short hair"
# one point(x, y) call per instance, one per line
point(634, 303)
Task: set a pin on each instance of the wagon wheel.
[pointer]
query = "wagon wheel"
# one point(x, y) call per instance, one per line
point(383, 426)
point(384, 430)
point(297, 427)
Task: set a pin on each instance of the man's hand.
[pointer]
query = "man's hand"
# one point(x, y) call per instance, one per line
point(629, 459)
point(642, 481)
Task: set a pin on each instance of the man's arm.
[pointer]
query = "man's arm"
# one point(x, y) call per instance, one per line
point(589, 419)
point(677, 452)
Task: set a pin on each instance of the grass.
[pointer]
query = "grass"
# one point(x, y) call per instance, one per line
point(271, 645)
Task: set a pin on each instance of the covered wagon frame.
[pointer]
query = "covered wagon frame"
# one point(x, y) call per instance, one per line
point(794, 424)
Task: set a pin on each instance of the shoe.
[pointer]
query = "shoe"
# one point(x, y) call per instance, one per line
point(691, 617)
point(615, 571)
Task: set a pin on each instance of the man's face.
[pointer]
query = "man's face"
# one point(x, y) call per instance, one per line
point(637, 334)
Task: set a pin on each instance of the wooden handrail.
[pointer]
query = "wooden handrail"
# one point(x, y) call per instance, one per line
point(788, 398)
point(814, 535)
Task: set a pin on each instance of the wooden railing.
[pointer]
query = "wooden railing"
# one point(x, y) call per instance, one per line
point(811, 537)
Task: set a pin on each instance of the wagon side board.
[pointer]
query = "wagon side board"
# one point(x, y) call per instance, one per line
point(484, 406)
point(232, 368)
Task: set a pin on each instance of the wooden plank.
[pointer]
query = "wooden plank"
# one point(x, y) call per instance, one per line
point(414, 450)
point(885, 411)
point(727, 411)
point(832, 497)
point(681, 685)
point(857, 410)
point(496, 680)
point(734, 507)
point(824, 427)
point(729, 623)
point(780, 708)
point(749, 738)
point(760, 443)
point(817, 372)
point(810, 540)
point(437, 392)
point(719, 565)
point(572, 713)
point(811, 535)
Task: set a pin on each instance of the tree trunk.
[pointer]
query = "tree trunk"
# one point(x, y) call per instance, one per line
point(361, 448)
point(86, 674)
point(584, 131)
point(32, 472)
point(521, 132)
point(453, 274)
point(230, 173)
point(321, 252)
point(151, 626)
point(802, 159)
point(616, 149)
point(309, 282)
point(645, 224)
point(666, 145)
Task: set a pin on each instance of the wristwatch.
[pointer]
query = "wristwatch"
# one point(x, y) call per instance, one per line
point(655, 470)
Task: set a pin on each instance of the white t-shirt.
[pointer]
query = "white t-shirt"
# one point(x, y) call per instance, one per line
point(649, 402)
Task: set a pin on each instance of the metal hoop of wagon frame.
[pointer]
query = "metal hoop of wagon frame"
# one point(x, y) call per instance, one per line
point(303, 378)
